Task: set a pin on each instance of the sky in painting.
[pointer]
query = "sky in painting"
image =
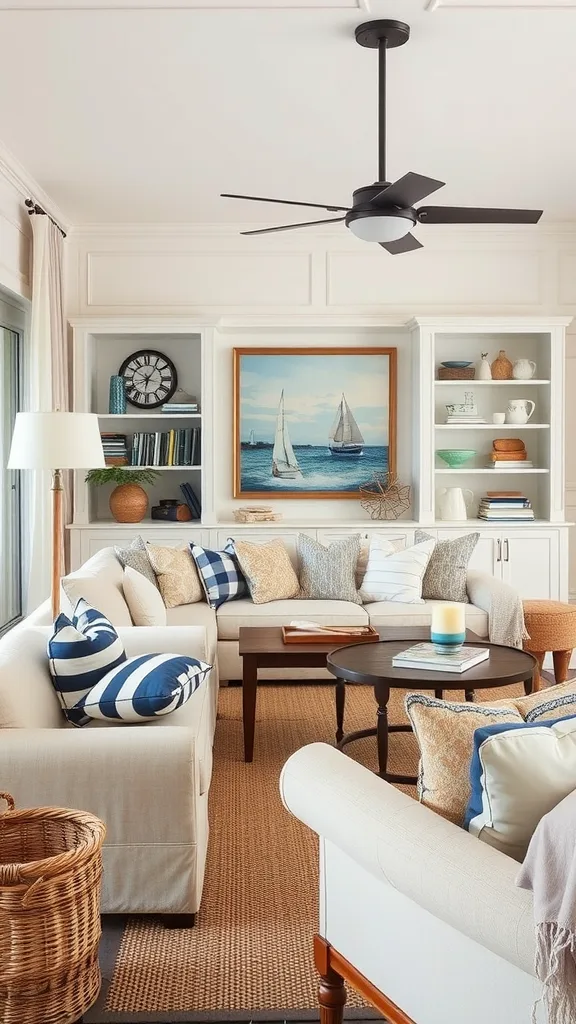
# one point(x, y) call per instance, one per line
point(313, 386)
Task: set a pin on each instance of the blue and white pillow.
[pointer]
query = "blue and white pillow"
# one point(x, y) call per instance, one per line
point(144, 687)
point(220, 573)
point(81, 650)
point(519, 772)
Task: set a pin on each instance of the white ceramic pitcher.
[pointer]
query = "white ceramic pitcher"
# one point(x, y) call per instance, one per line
point(517, 411)
point(523, 369)
point(452, 502)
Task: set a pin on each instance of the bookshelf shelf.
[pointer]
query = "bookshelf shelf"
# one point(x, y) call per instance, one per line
point(515, 427)
point(488, 383)
point(144, 417)
point(493, 472)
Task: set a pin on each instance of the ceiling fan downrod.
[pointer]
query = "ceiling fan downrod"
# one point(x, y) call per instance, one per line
point(382, 35)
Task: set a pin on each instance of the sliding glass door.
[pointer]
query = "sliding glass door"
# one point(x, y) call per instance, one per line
point(10, 541)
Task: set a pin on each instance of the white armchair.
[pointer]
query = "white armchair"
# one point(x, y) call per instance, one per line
point(149, 783)
point(420, 917)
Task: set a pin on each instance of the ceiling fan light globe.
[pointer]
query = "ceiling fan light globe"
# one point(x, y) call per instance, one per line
point(379, 228)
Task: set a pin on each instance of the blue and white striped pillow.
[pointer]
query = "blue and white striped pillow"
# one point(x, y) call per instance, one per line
point(145, 687)
point(220, 573)
point(81, 651)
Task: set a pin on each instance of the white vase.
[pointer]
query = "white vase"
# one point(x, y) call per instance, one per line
point(483, 371)
point(517, 411)
point(452, 503)
point(524, 369)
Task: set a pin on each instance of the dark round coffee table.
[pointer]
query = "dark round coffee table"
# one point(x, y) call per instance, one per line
point(370, 664)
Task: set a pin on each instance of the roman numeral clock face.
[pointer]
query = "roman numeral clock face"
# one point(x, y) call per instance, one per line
point(150, 379)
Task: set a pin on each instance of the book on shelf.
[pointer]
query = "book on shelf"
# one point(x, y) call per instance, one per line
point(191, 500)
point(511, 464)
point(115, 448)
point(166, 448)
point(512, 506)
point(181, 407)
point(424, 656)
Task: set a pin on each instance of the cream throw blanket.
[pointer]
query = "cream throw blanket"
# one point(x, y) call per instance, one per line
point(549, 871)
point(503, 606)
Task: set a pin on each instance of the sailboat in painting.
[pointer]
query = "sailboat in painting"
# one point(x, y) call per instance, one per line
point(284, 462)
point(345, 437)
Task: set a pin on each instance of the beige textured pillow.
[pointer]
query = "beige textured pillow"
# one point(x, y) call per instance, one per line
point(177, 576)
point(144, 600)
point(268, 569)
point(445, 734)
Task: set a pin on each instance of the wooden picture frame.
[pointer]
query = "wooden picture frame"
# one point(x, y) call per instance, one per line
point(295, 427)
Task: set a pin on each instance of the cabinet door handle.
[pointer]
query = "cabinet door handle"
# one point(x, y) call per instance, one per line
point(506, 550)
point(499, 552)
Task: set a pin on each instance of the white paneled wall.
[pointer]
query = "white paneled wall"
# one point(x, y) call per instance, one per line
point(215, 274)
point(15, 240)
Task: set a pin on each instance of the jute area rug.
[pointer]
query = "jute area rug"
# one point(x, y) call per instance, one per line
point(250, 953)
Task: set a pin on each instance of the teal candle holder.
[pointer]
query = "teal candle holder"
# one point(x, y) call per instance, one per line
point(117, 395)
point(447, 643)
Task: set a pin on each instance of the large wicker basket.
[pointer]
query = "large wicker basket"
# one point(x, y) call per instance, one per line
point(50, 878)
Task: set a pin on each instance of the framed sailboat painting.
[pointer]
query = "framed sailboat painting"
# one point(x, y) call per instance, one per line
point(312, 422)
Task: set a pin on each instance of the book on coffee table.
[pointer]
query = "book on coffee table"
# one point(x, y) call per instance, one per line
point(425, 656)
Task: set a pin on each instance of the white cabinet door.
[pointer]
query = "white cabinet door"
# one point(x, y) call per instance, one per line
point(487, 554)
point(530, 563)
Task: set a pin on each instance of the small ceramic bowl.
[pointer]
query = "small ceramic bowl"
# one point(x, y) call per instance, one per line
point(455, 457)
point(456, 364)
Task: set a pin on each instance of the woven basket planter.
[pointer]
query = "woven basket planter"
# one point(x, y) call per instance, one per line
point(50, 880)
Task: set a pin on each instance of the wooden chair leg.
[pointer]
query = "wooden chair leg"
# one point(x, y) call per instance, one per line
point(539, 655)
point(561, 665)
point(331, 997)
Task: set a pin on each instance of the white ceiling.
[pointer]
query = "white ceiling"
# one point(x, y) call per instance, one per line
point(147, 115)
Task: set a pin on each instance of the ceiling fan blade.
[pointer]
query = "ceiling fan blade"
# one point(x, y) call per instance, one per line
point(405, 244)
point(287, 202)
point(475, 215)
point(290, 227)
point(408, 190)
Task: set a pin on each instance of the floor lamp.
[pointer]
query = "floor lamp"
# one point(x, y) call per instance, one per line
point(56, 441)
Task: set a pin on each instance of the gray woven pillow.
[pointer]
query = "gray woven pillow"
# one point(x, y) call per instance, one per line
point(136, 556)
point(445, 577)
point(329, 574)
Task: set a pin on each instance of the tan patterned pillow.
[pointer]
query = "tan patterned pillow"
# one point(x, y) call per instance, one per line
point(268, 569)
point(445, 734)
point(177, 576)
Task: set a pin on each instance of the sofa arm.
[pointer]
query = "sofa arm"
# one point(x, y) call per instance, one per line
point(142, 782)
point(189, 640)
point(439, 866)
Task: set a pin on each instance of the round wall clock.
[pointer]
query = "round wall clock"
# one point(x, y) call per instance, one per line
point(150, 378)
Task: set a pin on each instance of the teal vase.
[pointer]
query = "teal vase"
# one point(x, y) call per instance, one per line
point(117, 396)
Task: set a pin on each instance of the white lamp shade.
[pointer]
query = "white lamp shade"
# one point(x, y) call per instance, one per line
point(56, 440)
point(380, 228)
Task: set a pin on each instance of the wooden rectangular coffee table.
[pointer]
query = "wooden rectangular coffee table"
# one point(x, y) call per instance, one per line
point(263, 647)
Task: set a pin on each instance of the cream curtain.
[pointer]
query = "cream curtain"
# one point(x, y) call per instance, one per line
point(48, 389)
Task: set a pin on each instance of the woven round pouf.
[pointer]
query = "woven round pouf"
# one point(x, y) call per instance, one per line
point(552, 627)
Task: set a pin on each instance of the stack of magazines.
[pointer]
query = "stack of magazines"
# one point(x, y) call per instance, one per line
point(425, 656)
point(503, 506)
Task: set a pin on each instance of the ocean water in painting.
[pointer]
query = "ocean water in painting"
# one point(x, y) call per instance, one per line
point(321, 471)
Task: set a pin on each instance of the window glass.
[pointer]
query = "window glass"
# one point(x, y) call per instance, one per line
point(10, 546)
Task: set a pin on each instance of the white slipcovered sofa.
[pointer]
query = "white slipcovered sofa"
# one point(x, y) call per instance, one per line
point(426, 913)
point(222, 626)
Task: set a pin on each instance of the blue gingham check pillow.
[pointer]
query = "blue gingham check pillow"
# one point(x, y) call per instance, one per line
point(220, 574)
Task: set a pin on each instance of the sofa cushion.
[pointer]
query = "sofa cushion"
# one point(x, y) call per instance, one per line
point(391, 613)
point(220, 573)
point(279, 613)
point(136, 557)
point(200, 614)
point(268, 570)
point(145, 601)
point(445, 576)
point(177, 575)
point(145, 687)
point(100, 582)
point(329, 573)
point(397, 576)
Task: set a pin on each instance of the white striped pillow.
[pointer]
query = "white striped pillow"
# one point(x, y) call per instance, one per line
point(398, 576)
point(144, 687)
point(81, 650)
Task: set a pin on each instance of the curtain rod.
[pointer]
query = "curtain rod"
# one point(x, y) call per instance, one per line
point(35, 208)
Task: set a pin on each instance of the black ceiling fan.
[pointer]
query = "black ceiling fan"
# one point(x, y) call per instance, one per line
point(384, 212)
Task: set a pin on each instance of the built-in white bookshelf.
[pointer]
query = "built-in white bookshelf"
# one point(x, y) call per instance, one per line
point(98, 354)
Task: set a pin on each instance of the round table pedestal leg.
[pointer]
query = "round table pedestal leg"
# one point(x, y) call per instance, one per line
point(340, 701)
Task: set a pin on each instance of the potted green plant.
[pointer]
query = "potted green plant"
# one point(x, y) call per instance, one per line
point(128, 501)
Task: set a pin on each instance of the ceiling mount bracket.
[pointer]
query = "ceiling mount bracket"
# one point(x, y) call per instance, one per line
point(372, 33)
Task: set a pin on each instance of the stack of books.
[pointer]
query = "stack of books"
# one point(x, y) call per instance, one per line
point(167, 448)
point(191, 500)
point(465, 419)
point(180, 408)
point(115, 449)
point(426, 657)
point(501, 506)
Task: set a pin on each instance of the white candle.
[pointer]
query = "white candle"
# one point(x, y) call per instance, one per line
point(448, 618)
